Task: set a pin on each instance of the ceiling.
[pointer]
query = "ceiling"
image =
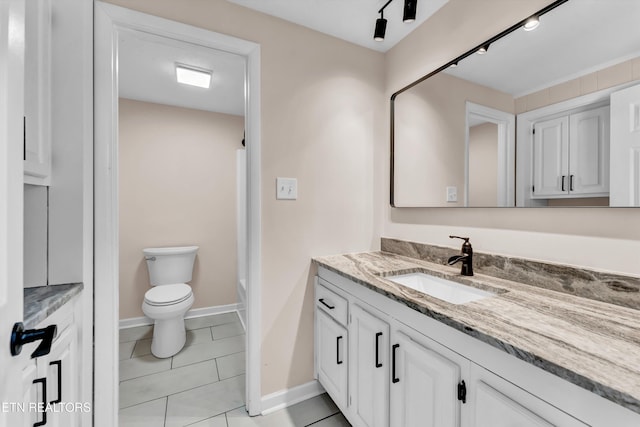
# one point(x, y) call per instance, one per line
point(350, 20)
point(576, 38)
point(146, 72)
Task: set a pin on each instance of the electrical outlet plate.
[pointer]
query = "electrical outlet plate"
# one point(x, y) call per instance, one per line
point(286, 188)
point(452, 194)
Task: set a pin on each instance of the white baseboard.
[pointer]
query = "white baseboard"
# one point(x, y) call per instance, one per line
point(196, 312)
point(283, 398)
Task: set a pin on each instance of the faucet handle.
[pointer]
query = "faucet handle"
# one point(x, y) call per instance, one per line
point(466, 239)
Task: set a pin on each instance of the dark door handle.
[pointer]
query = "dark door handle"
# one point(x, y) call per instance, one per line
point(378, 364)
point(330, 307)
point(394, 379)
point(20, 336)
point(570, 182)
point(563, 182)
point(44, 401)
point(58, 363)
point(338, 361)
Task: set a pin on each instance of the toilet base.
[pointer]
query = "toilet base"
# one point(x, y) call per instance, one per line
point(169, 336)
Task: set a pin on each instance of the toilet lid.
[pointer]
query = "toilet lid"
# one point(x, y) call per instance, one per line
point(167, 294)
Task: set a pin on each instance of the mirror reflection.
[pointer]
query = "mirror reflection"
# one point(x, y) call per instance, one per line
point(549, 117)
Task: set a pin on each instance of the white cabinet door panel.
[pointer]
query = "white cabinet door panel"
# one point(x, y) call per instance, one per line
point(589, 152)
point(369, 370)
point(332, 358)
point(424, 386)
point(550, 157)
point(625, 147)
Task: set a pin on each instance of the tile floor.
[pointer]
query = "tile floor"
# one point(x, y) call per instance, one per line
point(202, 385)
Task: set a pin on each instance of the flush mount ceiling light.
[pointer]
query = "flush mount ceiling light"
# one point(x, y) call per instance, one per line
point(409, 15)
point(531, 23)
point(193, 76)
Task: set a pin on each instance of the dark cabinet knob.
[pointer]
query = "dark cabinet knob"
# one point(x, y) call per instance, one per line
point(20, 337)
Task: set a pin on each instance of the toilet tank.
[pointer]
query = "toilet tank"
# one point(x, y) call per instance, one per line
point(170, 265)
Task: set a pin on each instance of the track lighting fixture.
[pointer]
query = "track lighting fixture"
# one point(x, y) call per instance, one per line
point(454, 65)
point(483, 49)
point(381, 28)
point(409, 13)
point(532, 23)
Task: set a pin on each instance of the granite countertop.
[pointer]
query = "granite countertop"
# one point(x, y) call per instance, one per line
point(40, 302)
point(592, 344)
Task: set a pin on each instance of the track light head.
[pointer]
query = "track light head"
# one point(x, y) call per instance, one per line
point(532, 23)
point(483, 49)
point(381, 29)
point(409, 14)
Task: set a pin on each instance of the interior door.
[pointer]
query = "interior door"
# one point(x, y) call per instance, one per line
point(625, 147)
point(11, 202)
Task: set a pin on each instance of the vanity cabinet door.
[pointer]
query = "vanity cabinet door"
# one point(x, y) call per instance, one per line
point(369, 369)
point(424, 382)
point(496, 402)
point(332, 357)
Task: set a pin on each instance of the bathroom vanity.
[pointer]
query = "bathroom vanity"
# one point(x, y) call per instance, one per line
point(524, 355)
point(51, 383)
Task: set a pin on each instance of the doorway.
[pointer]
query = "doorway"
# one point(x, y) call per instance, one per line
point(110, 22)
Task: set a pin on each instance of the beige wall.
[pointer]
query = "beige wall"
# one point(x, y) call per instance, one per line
point(323, 114)
point(435, 110)
point(178, 188)
point(603, 238)
point(483, 165)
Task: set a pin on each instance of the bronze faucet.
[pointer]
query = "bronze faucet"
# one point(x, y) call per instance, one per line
point(466, 256)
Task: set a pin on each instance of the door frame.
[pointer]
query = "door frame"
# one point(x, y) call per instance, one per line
point(108, 20)
point(506, 123)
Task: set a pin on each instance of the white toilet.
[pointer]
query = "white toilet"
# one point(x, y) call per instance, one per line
point(170, 297)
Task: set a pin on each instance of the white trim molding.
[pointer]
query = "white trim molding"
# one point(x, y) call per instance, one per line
point(284, 398)
point(132, 322)
point(109, 20)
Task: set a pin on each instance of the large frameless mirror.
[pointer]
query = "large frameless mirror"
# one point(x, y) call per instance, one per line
point(546, 117)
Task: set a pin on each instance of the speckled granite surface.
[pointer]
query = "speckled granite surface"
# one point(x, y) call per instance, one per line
point(612, 288)
point(42, 301)
point(592, 344)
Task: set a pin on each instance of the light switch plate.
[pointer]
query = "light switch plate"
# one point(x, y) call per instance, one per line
point(286, 188)
point(452, 194)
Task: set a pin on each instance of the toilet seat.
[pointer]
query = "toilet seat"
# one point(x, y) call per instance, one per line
point(167, 294)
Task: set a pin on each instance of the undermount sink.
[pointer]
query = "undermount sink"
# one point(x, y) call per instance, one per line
point(437, 287)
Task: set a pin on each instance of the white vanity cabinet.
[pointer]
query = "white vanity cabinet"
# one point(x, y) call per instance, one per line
point(37, 92)
point(406, 369)
point(332, 340)
point(369, 366)
point(52, 382)
point(425, 379)
point(571, 155)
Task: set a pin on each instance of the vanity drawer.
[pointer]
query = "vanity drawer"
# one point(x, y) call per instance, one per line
point(331, 303)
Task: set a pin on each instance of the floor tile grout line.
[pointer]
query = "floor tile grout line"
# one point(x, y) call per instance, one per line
point(213, 358)
point(166, 408)
point(322, 419)
point(164, 370)
point(182, 391)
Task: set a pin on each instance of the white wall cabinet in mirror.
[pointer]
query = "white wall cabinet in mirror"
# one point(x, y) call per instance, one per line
point(571, 156)
point(37, 100)
point(580, 54)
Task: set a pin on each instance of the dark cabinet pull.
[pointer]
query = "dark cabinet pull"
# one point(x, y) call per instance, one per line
point(330, 307)
point(378, 364)
point(563, 182)
point(570, 182)
point(394, 379)
point(20, 337)
point(58, 363)
point(44, 401)
point(338, 361)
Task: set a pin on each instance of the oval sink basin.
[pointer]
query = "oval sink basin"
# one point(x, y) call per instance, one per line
point(443, 289)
